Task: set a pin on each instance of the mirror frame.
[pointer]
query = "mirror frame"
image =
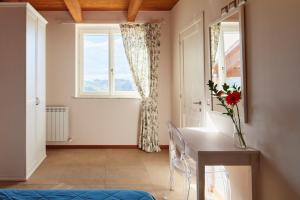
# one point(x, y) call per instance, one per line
point(240, 10)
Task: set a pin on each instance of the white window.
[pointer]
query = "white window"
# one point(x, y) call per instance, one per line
point(102, 67)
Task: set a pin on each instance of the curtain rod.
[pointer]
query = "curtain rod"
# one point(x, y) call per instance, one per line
point(150, 21)
point(162, 21)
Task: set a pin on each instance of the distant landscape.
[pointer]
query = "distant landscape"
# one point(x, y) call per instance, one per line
point(97, 85)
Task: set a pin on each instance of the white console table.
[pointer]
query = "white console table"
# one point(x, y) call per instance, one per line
point(209, 148)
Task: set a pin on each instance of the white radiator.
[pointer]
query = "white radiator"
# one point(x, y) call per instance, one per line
point(57, 123)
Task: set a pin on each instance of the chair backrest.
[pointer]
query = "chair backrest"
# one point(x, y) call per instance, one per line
point(177, 142)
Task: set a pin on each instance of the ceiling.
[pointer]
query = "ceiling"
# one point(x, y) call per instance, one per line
point(100, 5)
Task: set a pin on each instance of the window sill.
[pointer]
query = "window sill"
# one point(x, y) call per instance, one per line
point(106, 97)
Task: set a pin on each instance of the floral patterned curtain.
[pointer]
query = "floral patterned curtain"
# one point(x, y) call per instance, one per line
point(215, 37)
point(142, 43)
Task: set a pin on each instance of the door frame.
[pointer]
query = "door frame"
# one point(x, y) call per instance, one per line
point(182, 36)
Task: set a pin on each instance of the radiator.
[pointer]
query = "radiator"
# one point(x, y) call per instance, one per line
point(57, 123)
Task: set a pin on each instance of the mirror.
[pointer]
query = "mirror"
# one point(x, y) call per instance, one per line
point(227, 54)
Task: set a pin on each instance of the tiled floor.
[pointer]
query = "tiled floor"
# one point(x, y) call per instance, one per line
point(113, 169)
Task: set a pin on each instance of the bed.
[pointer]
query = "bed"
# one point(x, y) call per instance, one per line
point(13, 194)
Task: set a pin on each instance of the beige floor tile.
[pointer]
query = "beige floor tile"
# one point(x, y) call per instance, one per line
point(109, 169)
point(124, 158)
point(33, 186)
point(47, 174)
point(83, 175)
point(129, 187)
point(80, 186)
point(160, 176)
point(76, 157)
point(127, 175)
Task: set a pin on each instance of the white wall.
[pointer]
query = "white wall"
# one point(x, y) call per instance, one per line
point(240, 182)
point(101, 121)
point(273, 46)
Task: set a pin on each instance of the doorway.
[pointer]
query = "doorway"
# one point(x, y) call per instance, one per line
point(192, 76)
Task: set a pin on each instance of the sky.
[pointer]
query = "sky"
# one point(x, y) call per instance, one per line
point(96, 62)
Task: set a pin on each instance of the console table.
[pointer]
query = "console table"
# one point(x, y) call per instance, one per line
point(209, 147)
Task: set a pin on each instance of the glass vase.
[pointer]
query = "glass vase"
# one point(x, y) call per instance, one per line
point(239, 139)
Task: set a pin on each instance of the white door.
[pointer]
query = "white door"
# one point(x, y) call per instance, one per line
point(31, 138)
point(41, 92)
point(192, 75)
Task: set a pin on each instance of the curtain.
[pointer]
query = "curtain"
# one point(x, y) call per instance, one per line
point(142, 43)
point(220, 58)
point(214, 37)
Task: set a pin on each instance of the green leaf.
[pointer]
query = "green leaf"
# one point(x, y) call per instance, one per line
point(215, 87)
point(225, 87)
point(227, 114)
point(210, 84)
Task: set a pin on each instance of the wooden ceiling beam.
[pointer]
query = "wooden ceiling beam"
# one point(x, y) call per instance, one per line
point(133, 9)
point(99, 5)
point(74, 9)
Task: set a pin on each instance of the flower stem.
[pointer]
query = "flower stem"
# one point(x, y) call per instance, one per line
point(239, 125)
point(238, 113)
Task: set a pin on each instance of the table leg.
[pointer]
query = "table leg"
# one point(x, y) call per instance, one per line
point(200, 180)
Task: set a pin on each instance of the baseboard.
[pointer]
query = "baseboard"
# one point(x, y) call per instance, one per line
point(12, 179)
point(98, 146)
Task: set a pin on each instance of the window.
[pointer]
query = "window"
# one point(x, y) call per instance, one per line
point(102, 68)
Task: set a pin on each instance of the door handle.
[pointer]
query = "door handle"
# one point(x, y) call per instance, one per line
point(37, 101)
point(198, 103)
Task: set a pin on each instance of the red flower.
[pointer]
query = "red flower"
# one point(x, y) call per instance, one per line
point(233, 98)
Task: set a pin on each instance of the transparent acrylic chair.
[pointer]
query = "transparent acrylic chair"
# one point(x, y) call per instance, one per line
point(181, 162)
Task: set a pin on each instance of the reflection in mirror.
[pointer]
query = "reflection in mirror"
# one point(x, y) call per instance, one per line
point(226, 54)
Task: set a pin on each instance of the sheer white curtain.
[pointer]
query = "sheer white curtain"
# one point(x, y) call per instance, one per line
point(141, 43)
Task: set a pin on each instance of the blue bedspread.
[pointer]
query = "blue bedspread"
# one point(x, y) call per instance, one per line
point(9, 194)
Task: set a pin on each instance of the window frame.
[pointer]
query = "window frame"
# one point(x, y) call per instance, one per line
point(110, 30)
